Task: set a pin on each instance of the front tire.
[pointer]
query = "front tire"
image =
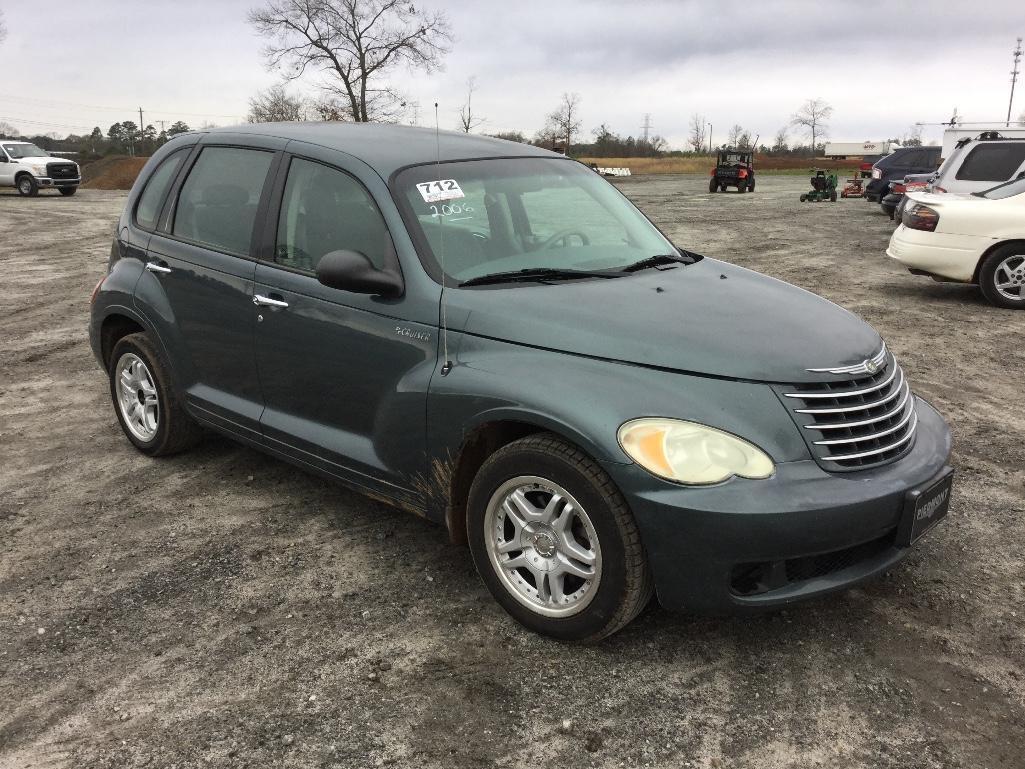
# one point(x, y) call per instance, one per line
point(555, 542)
point(1002, 277)
point(68, 191)
point(148, 409)
point(27, 186)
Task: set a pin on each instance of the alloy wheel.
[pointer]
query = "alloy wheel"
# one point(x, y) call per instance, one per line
point(137, 397)
point(543, 546)
point(1009, 278)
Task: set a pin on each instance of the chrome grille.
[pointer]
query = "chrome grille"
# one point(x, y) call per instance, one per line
point(62, 170)
point(864, 421)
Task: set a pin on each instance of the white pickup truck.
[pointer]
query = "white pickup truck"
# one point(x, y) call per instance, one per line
point(29, 169)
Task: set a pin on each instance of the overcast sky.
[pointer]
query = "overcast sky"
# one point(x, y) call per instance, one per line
point(71, 64)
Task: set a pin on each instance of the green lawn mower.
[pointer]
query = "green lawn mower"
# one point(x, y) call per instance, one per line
point(823, 185)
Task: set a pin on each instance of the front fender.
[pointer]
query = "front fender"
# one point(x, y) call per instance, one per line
point(585, 400)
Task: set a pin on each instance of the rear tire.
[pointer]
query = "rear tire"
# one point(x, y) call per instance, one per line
point(832, 196)
point(1002, 277)
point(742, 188)
point(713, 186)
point(28, 187)
point(149, 411)
point(68, 191)
point(560, 505)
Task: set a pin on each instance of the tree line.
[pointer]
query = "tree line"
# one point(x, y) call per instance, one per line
point(122, 138)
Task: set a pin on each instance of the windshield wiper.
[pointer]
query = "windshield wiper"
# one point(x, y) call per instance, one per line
point(657, 259)
point(538, 273)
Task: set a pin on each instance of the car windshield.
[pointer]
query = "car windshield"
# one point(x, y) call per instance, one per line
point(24, 151)
point(484, 217)
point(1005, 190)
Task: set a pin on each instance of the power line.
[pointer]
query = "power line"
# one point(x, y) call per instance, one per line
point(40, 103)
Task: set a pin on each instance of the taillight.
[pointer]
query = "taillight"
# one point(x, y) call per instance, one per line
point(920, 217)
point(742, 173)
point(938, 189)
point(898, 188)
point(877, 174)
point(96, 290)
point(712, 172)
point(866, 166)
point(915, 186)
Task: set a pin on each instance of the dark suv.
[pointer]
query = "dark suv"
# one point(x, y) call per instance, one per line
point(492, 336)
point(897, 165)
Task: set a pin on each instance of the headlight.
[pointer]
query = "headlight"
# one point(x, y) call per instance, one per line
point(38, 170)
point(687, 452)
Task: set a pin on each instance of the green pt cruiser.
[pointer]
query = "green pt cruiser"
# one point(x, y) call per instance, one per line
point(491, 336)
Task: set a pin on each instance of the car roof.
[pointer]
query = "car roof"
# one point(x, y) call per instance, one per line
point(388, 147)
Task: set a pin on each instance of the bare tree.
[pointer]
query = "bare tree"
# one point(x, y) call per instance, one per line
point(276, 105)
point(3, 26)
point(696, 138)
point(812, 117)
point(7, 131)
point(467, 120)
point(734, 134)
point(565, 120)
point(912, 137)
point(779, 144)
point(354, 43)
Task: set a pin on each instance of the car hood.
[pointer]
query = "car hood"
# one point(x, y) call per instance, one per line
point(709, 318)
point(42, 159)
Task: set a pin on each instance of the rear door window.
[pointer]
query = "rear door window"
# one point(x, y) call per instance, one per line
point(325, 210)
point(992, 162)
point(151, 201)
point(218, 202)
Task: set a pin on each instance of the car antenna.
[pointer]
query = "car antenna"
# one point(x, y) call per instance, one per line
point(441, 242)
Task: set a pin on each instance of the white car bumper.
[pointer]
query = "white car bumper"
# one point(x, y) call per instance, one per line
point(938, 253)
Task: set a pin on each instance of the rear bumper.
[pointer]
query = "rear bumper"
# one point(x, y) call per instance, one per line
point(948, 256)
point(700, 541)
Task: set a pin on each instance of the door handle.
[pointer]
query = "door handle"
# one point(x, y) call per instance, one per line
point(266, 301)
point(157, 268)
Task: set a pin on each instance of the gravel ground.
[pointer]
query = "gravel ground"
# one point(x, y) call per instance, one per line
point(223, 609)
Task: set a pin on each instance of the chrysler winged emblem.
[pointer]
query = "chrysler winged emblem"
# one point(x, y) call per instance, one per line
point(867, 366)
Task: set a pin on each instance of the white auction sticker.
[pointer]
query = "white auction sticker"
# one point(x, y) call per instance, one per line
point(443, 189)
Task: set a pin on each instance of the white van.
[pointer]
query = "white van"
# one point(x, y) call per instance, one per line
point(978, 164)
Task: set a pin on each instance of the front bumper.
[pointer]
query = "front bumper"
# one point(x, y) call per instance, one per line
point(954, 257)
point(698, 540)
point(46, 181)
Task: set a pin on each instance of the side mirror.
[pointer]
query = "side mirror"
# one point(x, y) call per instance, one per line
point(352, 271)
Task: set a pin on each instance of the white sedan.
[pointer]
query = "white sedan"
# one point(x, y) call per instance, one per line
point(977, 238)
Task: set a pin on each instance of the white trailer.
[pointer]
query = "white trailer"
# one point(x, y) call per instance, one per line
point(840, 150)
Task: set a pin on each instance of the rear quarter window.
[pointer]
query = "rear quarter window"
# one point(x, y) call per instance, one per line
point(151, 201)
point(992, 162)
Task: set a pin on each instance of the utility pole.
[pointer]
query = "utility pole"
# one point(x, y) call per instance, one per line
point(161, 125)
point(646, 126)
point(1014, 79)
point(709, 138)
